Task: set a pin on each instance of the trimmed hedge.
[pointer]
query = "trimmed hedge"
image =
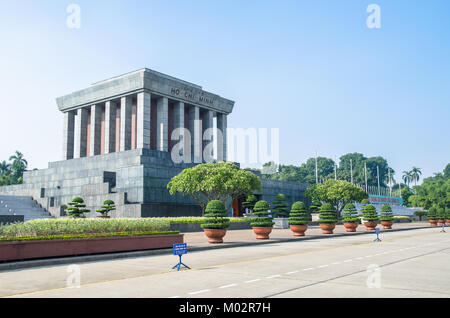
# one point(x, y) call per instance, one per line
point(386, 213)
point(44, 227)
point(280, 207)
point(369, 213)
point(261, 210)
point(81, 236)
point(215, 216)
point(327, 214)
point(299, 214)
point(350, 214)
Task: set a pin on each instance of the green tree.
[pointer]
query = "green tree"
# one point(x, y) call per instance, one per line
point(338, 193)
point(327, 214)
point(386, 213)
point(262, 219)
point(432, 213)
point(108, 206)
point(214, 181)
point(420, 214)
point(299, 214)
point(369, 213)
point(249, 203)
point(216, 216)
point(77, 208)
point(280, 207)
point(350, 214)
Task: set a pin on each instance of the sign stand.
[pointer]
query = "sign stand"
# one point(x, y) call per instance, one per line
point(377, 232)
point(179, 250)
point(443, 230)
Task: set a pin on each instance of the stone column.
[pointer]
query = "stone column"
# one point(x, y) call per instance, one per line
point(143, 120)
point(68, 135)
point(110, 127)
point(81, 121)
point(96, 130)
point(207, 123)
point(162, 122)
point(195, 128)
point(125, 123)
point(178, 121)
point(222, 142)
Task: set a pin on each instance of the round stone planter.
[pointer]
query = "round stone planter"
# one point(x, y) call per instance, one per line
point(387, 225)
point(103, 217)
point(441, 222)
point(215, 236)
point(262, 233)
point(327, 228)
point(433, 222)
point(350, 226)
point(299, 230)
point(371, 225)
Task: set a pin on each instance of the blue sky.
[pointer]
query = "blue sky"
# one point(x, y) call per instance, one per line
point(311, 68)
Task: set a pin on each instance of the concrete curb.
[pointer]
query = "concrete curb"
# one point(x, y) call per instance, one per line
point(168, 251)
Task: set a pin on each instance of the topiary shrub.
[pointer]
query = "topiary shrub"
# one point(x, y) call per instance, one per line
point(370, 213)
point(350, 214)
point(386, 213)
point(299, 214)
point(261, 210)
point(250, 202)
point(327, 214)
point(432, 213)
point(108, 206)
point(215, 216)
point(365, 201)
point(77, 208)
point(280, 207)
point(315, 206)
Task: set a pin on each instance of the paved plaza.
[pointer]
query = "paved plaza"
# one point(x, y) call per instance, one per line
point(409, 263)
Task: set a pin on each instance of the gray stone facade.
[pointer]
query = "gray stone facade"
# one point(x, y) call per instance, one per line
point(116, 146)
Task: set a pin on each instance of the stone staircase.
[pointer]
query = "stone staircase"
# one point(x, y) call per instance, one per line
point(22, 205)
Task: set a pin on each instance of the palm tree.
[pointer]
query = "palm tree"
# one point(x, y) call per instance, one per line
point(4, 167)
point(407, 177)
point(19, 164)
point(415, 174)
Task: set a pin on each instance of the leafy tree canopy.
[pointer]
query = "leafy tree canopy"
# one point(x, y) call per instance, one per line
point(214, 181)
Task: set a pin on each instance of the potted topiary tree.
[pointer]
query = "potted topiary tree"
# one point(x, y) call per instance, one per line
point(432, 216)
point(315, 207)
point(299, 218)
point(108, 206)
point(386, 216)
point(327, 218)
point(77, 208)
point(216, 221)
point(280, 209)
point(249, 203)
point(262, 224)
point(370, 215)
point(441, 216)
point(350, 217)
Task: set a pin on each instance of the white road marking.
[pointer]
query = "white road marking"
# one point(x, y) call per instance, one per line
point(358, 258)
point(273, 276)
point(199, 292)
point(227, 286)
point(252, 281)
point(174, 297)
point(336, 263)
point(289, 273)
point(322, 266)
point(308, 269)
point(348, 260)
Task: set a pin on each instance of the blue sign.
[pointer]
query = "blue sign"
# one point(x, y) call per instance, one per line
point(179, 250)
